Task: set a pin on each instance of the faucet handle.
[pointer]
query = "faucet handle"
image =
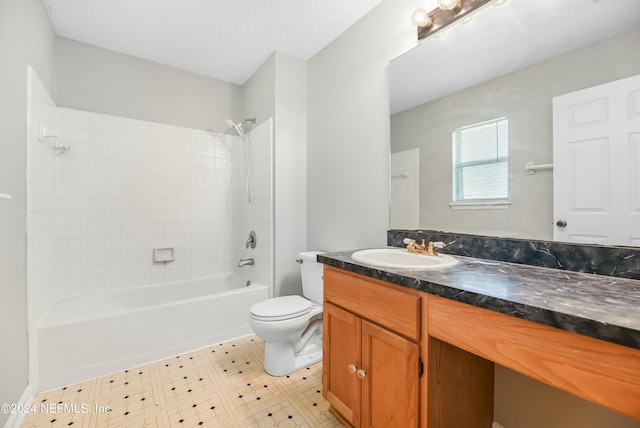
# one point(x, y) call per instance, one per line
point(411, 244)
point(431, 247)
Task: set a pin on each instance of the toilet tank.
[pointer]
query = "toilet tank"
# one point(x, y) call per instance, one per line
point(312, 279)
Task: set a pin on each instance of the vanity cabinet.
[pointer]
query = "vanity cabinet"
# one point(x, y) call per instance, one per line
point(379, 336)
point(371, 355)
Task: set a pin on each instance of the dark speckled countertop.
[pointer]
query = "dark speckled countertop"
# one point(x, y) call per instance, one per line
point(597, 306)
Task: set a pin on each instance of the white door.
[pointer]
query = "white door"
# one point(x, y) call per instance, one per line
point(596, 161)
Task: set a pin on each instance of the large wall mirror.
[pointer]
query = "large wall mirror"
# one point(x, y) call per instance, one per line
point(509, 61)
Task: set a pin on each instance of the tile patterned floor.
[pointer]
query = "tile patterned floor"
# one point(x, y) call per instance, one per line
point(222, 386)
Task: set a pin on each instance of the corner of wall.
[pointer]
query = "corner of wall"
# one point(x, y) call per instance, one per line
point(27, 39)
point(26, 399)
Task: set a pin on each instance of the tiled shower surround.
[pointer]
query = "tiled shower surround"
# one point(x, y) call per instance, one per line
point(97, 210)
point(128, 186)
point(41, 202)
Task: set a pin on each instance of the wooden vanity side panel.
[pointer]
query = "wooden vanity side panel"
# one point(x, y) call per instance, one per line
point(460, 388)
point(374, 300)
point(601, 372)
point(424, 353)
point(452, 375)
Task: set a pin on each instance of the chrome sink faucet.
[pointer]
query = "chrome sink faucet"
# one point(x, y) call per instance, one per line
point(244, 262)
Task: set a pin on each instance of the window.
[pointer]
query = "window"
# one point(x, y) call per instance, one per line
point(481, 163)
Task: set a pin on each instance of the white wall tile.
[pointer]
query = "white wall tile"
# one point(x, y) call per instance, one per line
point(95, 213)
point(42, 202)
point(133, 185)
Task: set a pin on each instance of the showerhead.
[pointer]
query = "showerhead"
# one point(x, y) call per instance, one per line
point(247, 124)
point(239, 126)
point(236, 126)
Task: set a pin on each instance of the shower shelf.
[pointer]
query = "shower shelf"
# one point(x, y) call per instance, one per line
point(46, 132)
point(52, 134)
point(5, 196)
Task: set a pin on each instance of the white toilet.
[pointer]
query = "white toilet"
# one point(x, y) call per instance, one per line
point(291, 326)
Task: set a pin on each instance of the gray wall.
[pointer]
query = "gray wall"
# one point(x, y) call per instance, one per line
point(26, 38)
point(102, 81)
point(279, 90)
point(521, 402)
point(525, 98)
point(348, 146)
point(290, 167)
point(259, 92)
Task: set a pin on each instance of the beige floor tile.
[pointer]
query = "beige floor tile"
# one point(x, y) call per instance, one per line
point(135, 402)
point(282, 414)
point(204, 410)
point(222, 386)
point(254, 392)
point(124, 380)
point(185, 385)
point(178, 364)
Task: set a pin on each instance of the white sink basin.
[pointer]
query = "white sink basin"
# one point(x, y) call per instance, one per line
point(400, 258)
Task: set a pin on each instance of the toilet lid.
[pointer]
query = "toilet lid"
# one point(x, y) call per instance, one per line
point(280, 308)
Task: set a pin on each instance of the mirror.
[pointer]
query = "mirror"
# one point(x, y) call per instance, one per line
point(509, 61)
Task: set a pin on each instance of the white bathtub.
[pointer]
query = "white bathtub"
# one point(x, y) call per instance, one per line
point(93, 335)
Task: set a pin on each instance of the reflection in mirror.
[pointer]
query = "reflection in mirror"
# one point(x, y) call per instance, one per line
point(429, 104)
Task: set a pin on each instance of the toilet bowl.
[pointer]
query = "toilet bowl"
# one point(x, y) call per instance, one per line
point(291, 326)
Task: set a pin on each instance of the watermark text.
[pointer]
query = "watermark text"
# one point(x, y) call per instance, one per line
point(53, 408)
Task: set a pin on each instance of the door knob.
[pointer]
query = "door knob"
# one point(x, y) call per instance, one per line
point(361, 374)
point(352, 368)
point(561, 223)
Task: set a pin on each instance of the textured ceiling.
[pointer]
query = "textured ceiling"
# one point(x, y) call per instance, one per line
point(503, 39)
point(224, 39)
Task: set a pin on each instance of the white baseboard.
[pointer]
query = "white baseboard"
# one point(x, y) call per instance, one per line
point(496, 425)
point(16, 419)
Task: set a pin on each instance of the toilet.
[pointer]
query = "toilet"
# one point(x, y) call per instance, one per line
point(291, 326)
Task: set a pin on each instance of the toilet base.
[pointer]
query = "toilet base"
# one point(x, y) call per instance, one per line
point(280, 358)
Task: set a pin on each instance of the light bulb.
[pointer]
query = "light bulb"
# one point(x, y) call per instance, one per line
point(420, 18)
point(448, 4)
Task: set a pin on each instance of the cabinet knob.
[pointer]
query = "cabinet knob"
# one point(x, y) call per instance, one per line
point(352, 368)
point(361, 374)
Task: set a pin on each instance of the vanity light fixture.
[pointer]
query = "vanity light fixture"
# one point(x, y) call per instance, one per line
point(447, 12)
point(453, 5)
point(421, 19)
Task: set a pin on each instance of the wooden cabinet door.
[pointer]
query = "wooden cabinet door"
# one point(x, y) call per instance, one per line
point(341, 348)
point(390, 385)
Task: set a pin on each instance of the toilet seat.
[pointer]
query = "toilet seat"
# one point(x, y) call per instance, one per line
point(281, 308)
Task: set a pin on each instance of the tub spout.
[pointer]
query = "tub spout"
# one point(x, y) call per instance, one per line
point(244, 262)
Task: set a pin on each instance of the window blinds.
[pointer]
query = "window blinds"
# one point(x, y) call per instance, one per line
point(481, 161)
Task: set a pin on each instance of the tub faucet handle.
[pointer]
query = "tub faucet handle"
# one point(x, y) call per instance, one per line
point(251, 240)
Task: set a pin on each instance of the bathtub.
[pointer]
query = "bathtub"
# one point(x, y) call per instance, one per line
point(96, 334)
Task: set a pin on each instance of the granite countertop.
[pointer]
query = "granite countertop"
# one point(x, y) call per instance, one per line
point(597, 306)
